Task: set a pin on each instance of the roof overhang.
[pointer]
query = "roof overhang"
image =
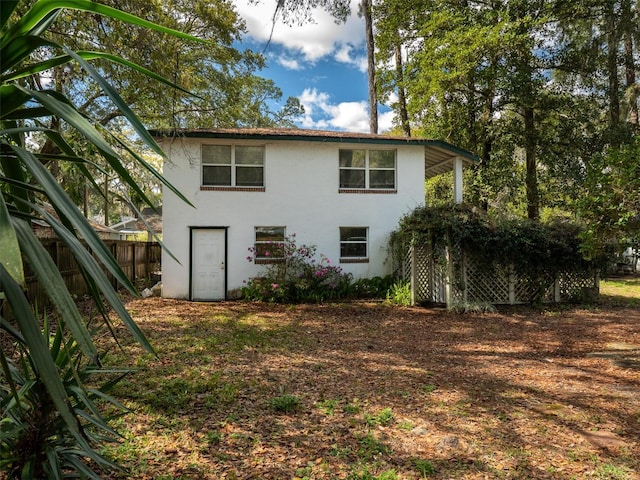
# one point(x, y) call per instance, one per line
point(439, 159)
point(439, 155)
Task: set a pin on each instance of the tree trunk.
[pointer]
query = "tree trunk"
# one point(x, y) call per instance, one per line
point(612, 67)
point(371, 66)
point(472, 112)
point(402, 99)
point(531, 178)
point(487, 119)
point(627, 21)
point(486, 139)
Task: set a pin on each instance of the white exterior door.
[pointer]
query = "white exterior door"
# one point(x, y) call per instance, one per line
point(208, 264)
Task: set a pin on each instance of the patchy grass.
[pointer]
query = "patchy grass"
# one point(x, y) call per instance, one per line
point(621, 291)
point(372, 391)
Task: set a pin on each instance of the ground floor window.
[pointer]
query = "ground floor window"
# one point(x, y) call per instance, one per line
point(354, 244)
point(269, 244)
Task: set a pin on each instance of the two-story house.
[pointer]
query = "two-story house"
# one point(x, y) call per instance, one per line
point(342, 192)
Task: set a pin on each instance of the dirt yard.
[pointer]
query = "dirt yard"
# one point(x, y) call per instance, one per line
point(371, 391)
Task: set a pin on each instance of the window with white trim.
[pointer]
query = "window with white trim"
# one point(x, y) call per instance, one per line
point(269, 243)
point(367, 169)
point(232, 166)
point(354, 243)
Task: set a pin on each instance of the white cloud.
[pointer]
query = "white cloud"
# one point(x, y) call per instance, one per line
point(321, 113)
point(314, 41)
point(393, 97)
point(311, 98)
point(344, 55)
point(316, 47)
point(289, 63)
point(351, 116)
point(385, 121)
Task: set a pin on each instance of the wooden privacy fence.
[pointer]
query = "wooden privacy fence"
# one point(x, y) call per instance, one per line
point(463, 280)
point(138, 260)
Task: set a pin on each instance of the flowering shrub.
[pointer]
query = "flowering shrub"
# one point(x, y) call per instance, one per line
point(295, 275)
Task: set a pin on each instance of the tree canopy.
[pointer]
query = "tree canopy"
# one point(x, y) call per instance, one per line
point(219, 86)
point(543, 91)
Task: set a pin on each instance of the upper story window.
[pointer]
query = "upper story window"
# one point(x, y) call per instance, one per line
point(368, 169)
point(232, 166)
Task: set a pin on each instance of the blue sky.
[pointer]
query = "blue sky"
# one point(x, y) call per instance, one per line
point(321, 63)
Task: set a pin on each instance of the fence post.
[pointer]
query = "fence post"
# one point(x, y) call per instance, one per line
point(430, 275)
point(447, 285)
point(147, 255)
point(414, 277)
point(556, 289)
point(512, 285)
point(133, 261)
point(465, 284)
point(114, 252)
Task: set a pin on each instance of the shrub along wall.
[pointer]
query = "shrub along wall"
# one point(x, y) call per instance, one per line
point(457, 253)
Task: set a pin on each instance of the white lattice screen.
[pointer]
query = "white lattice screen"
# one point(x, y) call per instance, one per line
point(431, 280)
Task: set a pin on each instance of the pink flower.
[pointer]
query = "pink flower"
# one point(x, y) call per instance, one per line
point(274, 285)
point(266, 254)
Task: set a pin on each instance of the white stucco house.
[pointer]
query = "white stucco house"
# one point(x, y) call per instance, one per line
point(342, 192)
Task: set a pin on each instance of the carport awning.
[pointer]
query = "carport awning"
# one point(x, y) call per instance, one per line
point(440, 159)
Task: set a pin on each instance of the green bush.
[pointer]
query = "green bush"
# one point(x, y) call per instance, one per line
point(35, 441)
point(529, 246)
point(424, 467)
point(472, 307)
point(297, 276)
point(285, 403)
point(374, 287)
point(400, 293)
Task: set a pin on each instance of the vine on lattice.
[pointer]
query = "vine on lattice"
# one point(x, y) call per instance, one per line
point(489, 259)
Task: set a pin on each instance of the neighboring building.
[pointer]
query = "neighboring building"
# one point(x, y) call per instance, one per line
point(43, 230)
point(342, 192)
point(149, 225)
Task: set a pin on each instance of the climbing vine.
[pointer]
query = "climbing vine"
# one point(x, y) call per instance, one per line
point(531, 248)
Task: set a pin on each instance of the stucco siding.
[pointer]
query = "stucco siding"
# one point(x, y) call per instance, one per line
point(301, 193)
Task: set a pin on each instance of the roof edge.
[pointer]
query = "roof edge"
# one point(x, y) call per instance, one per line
point(326, 136)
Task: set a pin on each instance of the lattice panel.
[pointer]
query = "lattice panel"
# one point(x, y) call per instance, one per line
point(431, 280)
point(498, 286)
point(528, 289)
point(573, 285)
point(483, 286)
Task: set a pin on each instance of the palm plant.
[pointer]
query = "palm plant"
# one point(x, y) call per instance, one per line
point(50, 425)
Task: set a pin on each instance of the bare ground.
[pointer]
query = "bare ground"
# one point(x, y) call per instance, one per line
point(411, 392)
